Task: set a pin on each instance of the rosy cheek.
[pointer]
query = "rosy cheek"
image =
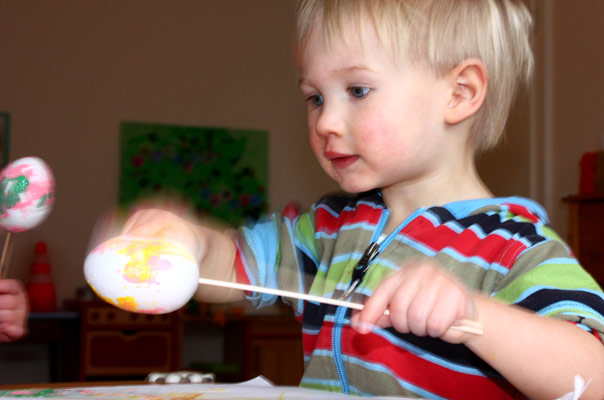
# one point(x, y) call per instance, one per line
point(317, 144)
point(380, 132)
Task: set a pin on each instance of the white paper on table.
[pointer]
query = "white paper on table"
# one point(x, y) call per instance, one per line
point(257, 389)
point(580, 387)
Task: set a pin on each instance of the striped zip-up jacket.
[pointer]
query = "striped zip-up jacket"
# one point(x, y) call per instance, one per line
point(502, 247)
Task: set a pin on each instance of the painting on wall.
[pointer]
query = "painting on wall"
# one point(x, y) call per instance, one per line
point(4, 137)
point(221, 172)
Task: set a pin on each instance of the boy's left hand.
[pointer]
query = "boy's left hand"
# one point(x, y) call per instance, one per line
point(421, 299)
point(13, 310)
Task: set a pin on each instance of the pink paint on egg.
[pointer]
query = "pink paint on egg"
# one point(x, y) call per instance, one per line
point(26, 194)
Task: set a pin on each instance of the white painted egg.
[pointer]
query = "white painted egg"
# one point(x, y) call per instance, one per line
point(141, 274)
point(26, 194)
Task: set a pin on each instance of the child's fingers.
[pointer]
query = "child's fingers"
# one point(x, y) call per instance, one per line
point(415, 310)
point(10, 332)
point(10, 286)
point(442, 316)
point(143, 223)
point(8, 302)
point(382, 298)
point(378, 302)
point(12, 295)
point(8, 316)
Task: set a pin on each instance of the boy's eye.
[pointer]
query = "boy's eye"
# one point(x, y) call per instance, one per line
point(316, 100)
point(359, 91)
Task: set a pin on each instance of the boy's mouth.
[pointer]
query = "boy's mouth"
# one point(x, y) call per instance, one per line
point(341, 161)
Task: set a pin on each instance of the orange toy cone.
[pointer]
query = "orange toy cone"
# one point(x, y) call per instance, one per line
point(41, 289)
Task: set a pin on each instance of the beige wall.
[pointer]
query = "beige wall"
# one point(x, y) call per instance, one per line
point(577, 100)
point(71, 70)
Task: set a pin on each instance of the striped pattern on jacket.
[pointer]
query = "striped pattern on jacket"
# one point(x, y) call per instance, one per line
point(502, 247)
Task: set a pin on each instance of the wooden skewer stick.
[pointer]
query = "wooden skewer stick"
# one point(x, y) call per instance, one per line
point(4, 258)
point(463, 325)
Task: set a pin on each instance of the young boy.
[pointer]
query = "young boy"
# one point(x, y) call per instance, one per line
point(402, 94)
point(13, 310)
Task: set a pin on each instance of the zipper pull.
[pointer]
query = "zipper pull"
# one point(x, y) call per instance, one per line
point(361, 267)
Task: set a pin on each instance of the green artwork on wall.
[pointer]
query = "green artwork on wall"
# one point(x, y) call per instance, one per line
point(222, 172)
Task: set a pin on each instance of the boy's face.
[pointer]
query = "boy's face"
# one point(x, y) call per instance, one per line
point(373, 123)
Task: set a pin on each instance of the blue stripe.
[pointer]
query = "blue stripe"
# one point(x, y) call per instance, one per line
point(373, 367)
point(416, 245)
point(358, 225)
point(561, 261)
point(434, 219)
point(534, 289)
point(345, 257)
point(323, 268)
point(326, 208)
point(418, 351)
point(425, 355)
point(479, 261)
point(367, 203)
point(585, 328)
point(296, 245)
point(262, 240)
point(461, 209)
point(320, 234)
point(311, 332)
point(565, 307)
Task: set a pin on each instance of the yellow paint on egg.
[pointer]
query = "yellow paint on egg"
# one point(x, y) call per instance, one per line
point(143, 258)
point(127, 303)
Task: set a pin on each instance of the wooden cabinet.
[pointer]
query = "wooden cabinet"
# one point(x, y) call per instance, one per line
point(586, 232)
point(274, 349)
point(117, 344)
point(268, 345)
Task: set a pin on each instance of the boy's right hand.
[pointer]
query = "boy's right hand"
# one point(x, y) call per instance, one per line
point(13, 310)
point(168, 225)
point(422, 299)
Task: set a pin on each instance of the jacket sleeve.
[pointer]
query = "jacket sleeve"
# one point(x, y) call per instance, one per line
point(548, 280)
point(278, 252)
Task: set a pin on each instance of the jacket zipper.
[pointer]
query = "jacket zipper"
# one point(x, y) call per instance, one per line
point(336, 335)
point(372, 251)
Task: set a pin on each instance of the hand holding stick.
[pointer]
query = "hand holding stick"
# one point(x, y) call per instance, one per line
point(463, 325)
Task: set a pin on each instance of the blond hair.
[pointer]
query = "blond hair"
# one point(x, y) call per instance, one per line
point(439, 35)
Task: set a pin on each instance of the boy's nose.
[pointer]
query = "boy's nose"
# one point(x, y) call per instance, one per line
point(329, 122)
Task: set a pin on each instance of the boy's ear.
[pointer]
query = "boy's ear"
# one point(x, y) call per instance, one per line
point(468, 83)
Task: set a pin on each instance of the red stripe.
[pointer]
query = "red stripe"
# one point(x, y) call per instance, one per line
point(292, 210)
point(326, 222)
point(240, 270)
point(420, 372)
point(597, 334)
point(522, 211)
point(493, 248)
point(309, 343)
point(410, 368)
point(513, 249)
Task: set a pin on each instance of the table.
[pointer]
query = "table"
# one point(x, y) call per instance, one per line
point(257, 389)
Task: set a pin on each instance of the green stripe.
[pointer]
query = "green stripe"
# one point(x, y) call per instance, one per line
point(306, 235)
point(562, 276)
